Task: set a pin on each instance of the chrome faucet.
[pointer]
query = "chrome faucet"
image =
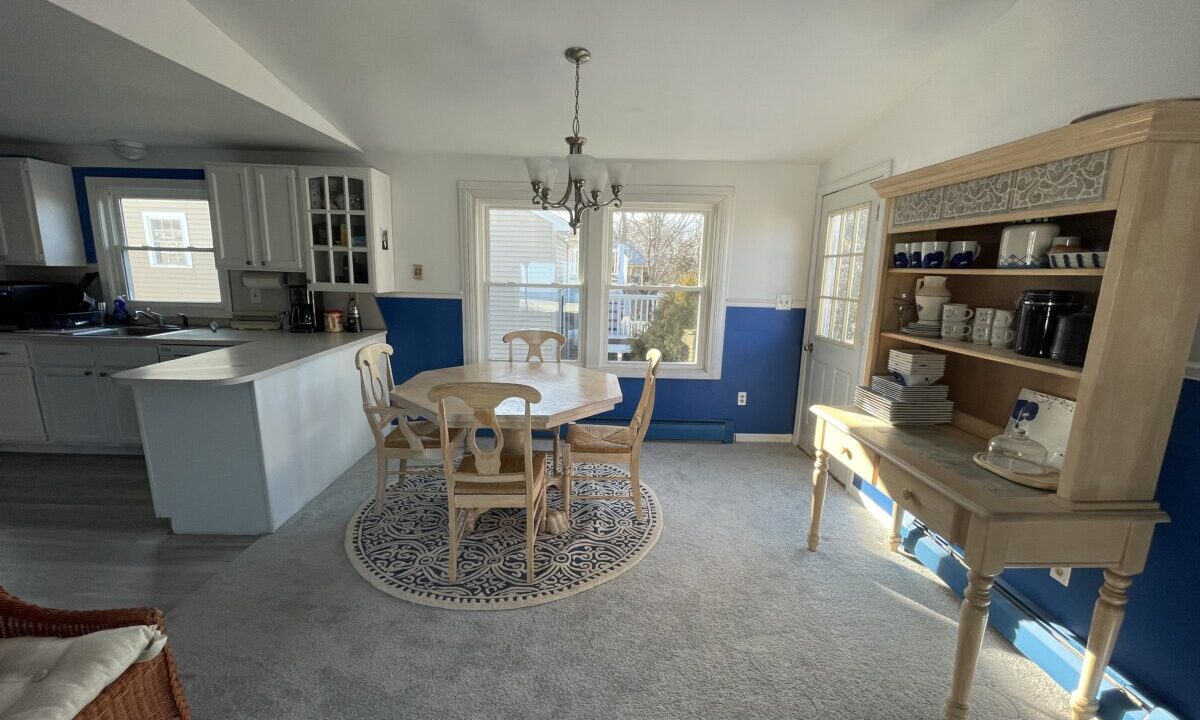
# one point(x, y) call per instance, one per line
point(149, 314)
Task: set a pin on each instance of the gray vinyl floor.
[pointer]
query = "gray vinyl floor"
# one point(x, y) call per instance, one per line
point(727, 617)
point(78, 531)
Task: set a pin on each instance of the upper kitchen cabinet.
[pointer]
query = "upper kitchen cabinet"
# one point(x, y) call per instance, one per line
point(256, 217)
point(348, 221)
point(39, 218)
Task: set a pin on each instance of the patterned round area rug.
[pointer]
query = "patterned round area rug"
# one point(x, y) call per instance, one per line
point(404, 551)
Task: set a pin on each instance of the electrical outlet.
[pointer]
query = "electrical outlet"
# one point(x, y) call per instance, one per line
point(783, 301)
point(418, 272)
point(742, 398)
point(1061, 574)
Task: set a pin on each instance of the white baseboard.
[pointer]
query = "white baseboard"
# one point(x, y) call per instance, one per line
point(763, 437)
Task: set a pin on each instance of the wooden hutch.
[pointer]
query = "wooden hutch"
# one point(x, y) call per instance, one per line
point(1129, 182)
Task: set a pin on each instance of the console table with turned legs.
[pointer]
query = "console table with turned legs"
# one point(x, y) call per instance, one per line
point(929, 473)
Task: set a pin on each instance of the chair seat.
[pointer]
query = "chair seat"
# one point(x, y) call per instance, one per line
point(509, 465)
point(600, 438)
point(428, 432)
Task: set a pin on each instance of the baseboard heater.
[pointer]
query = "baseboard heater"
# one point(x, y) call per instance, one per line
point(689, 430)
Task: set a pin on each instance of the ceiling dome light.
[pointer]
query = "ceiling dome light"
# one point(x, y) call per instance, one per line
point(129, 149)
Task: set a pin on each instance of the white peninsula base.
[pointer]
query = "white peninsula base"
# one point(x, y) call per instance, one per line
point(242, 456)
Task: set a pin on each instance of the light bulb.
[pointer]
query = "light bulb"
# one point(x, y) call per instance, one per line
point(538, 168)
point(619, 173)
point(580, 165)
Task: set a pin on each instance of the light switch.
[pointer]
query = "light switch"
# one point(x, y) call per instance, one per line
point(418, 272)
point(783, 301)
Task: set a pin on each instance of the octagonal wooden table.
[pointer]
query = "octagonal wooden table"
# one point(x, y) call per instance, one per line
point(569, 393)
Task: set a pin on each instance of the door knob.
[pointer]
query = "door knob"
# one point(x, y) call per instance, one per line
point(808, 347)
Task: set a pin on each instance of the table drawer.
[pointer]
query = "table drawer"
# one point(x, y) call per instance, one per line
point(13, 353)
point(849, 452)
point(63, 354)
point(938, 512)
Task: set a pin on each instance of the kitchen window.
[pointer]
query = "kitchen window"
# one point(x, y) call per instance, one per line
point(154, 243)
point(648, 274)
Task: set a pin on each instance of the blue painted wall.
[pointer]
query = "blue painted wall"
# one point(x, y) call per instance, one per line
point(761, 357)
point(80, 174)
point(1157, 645)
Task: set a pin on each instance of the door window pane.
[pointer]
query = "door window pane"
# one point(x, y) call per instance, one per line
point(842, 274)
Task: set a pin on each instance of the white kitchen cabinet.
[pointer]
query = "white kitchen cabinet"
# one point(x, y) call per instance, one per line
point(20, 415)
point(255, 217)
point(72, 407)
point(39, 217)
point(348, 225)
point(120, 412)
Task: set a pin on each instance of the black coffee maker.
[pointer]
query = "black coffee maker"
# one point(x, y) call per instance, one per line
point(305, 310)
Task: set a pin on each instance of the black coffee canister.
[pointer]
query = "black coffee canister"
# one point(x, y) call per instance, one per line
point(1071, 337)
point(1036, 321)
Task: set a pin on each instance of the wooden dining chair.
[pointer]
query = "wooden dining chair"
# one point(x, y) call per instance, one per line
point(491, 478)
point(534, 340)
point(613, 444)
point(396, 437)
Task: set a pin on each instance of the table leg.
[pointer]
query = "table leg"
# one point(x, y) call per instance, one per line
point(972, 623)
point(1102, 637)
point(820, 479)
point(897, 521)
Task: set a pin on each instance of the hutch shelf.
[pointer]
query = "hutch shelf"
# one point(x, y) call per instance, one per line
point(1127, 182)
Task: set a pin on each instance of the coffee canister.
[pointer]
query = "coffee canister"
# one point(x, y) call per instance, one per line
point(1071, 337)
point(1036, 320)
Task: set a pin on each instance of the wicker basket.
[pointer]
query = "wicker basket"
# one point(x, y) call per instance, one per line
point(149, 690)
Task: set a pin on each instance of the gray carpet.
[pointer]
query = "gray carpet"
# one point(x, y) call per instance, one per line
point(728, 617)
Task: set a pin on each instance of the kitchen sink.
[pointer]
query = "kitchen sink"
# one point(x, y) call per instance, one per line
point(129, 331)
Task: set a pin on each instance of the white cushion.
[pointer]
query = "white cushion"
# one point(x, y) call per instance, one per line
point(55, 678)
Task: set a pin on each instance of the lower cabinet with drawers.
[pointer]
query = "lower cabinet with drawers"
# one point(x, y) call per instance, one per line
point(60, 394)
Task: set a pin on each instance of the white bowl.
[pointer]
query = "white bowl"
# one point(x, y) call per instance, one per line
point(915, 379)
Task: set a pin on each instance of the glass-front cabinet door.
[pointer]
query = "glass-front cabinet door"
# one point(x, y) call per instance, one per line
point(348, 216)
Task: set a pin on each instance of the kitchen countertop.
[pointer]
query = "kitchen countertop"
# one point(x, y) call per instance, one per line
point(251, 354)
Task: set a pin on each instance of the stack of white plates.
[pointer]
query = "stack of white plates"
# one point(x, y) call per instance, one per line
point(887, 386)
point(921, 362)
point(922, 412)
point(923, 328)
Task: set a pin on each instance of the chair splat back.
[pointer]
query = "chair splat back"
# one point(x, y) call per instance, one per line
point(483, 399)
point(645, 408)
point(534, 340)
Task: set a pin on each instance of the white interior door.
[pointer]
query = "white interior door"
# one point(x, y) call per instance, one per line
point(843, 263)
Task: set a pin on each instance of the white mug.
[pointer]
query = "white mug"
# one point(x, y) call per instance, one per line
point(981, 331)
point(933, 253)
point(955, 331)
point(956, 312)
point(985, 315)
point(1003, 319)
point(962, 253)
point(1002, 337)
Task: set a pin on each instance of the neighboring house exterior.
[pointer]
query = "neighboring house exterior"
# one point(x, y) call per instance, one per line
point(170, 274)
point(532, 249)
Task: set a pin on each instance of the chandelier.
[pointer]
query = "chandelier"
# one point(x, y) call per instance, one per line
point(586, 178)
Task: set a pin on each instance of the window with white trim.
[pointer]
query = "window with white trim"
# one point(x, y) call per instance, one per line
point(167, 229)
point(154, 243)
point(648, 274)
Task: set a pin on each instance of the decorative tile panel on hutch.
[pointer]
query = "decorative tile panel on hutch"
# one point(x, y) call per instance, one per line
point(1128, 181)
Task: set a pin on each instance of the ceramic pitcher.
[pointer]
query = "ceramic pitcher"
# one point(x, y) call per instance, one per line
point(932, 294)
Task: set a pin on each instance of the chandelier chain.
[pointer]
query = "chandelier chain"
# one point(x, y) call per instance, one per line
point(575, 124)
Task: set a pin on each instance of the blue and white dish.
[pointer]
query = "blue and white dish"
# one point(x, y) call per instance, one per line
point(1080, 259)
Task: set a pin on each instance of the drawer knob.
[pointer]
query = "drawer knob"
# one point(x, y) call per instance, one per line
point(909, 495)
point(846, 451)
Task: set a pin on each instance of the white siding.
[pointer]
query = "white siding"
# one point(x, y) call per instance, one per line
point(148, 282)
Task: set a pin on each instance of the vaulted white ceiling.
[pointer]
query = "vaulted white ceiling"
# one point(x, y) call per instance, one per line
point(771, 80)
